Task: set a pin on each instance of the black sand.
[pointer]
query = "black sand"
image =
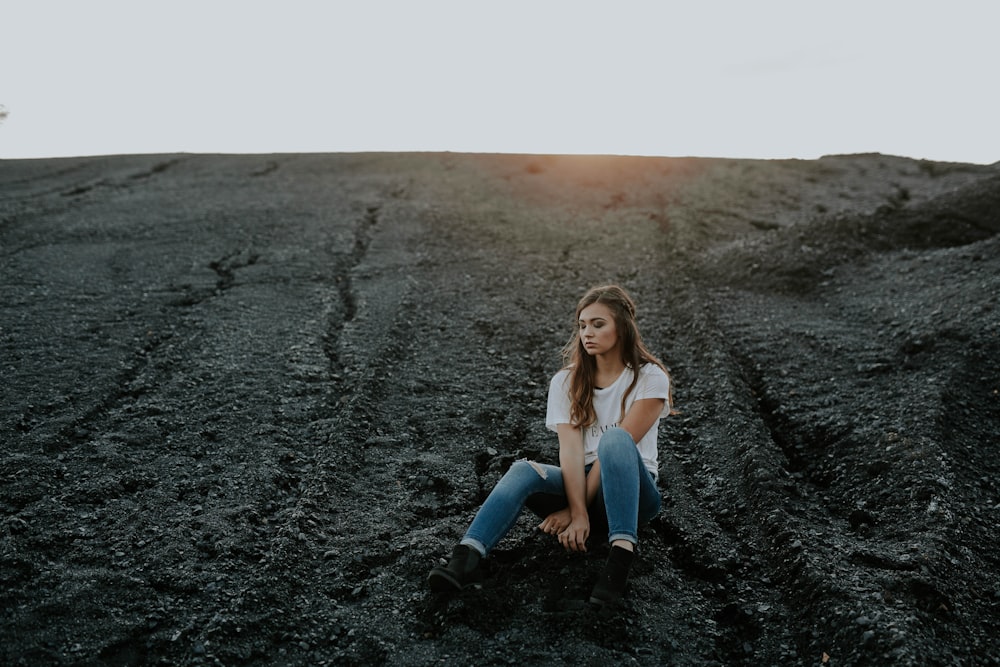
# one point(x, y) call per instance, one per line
point(248, 402)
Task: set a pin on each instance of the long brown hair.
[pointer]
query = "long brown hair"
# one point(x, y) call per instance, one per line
point(583, 367)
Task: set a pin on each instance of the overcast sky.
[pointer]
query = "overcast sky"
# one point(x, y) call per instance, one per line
point(741, 78)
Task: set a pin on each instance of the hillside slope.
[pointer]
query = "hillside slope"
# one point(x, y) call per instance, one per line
point(248, 401)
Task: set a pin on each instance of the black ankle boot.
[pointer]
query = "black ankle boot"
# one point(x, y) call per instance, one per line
point(461, 571)
point(610, 587)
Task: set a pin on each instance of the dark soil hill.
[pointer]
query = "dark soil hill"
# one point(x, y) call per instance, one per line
point(246, 402)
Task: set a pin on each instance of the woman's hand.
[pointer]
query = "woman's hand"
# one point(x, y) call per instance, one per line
point(555, 523)
point(572, 533)
point(574, 537)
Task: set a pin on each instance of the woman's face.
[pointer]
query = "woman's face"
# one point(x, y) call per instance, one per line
point(597, 329)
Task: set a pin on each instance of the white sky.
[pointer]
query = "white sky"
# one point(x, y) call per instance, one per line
point(740, 78)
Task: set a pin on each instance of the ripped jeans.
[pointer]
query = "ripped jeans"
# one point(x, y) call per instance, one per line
point(627, 497)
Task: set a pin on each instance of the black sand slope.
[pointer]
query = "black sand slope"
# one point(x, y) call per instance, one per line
point(248, 402)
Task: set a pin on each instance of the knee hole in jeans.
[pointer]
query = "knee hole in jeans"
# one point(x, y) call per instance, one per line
point(537, 467)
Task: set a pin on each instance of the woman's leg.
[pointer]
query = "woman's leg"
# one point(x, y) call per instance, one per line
point(494, 519)
point(630, 497)
point(501, 509)
point(630, 493)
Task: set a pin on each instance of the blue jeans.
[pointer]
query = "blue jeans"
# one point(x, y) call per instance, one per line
point(628, 493)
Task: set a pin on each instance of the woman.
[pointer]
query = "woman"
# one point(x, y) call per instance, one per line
point(604, 405)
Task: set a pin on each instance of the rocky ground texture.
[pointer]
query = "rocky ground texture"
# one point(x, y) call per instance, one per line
point(246, 402)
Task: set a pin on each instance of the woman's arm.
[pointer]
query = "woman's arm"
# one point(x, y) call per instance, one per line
point(636, 421)
point(574, 536)
point(593, 481)
point(556, 522)
point(641, 417)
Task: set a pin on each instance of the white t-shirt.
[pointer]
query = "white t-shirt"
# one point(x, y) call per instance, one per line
point(653, 383)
